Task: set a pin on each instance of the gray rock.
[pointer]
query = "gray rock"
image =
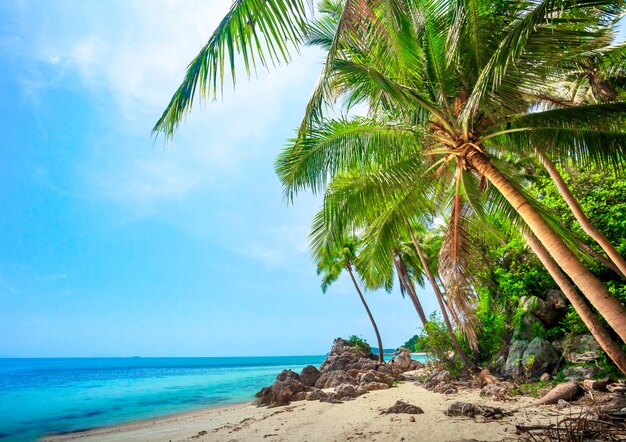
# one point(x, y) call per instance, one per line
point(580, 373)
point(541, 309)
point(545, 377)
point(562, 403)
point(461, 409)
point(556, 298)
point(581, 349)
point(513, 365)
point(527, 329)
point(334, 378)
point(539, 357)
point(309, 375)
point(403, 407)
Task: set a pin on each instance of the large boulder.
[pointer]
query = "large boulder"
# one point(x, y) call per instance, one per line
point(513, 366)
point(375, 376)
point(344, 355)
point(581, 349)
point(347, 390)
point(309, 375)
point(287, 374)
point(403, 360)
point(334, 378)
point(528, 327)
point(539, 357)
point(279, 393)
point(541, 309)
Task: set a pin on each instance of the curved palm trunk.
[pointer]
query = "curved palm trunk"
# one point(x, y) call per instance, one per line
point(411, 292)
point(608, 306)
point(612, 349)
point(617, 261)
point(369, 313)
point(444, 313)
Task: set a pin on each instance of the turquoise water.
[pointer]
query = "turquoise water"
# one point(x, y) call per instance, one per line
point(42, 396)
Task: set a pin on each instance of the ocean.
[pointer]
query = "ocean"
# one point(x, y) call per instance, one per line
point(43, 396)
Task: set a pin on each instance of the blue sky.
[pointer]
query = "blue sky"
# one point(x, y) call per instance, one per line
point(114, 244)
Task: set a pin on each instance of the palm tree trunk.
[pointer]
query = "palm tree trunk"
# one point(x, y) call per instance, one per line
point(444, 313)
point(411, 292)
point(369, 313)
point(614, 256)
point(608, 306)
point(612, 349)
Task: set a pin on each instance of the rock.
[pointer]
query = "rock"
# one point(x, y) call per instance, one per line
point(299, 396)
point(348, 390)
point(309, 375)
point(287, 374)
point(565, 391)
point(581, 349)
point(315, 395)
point(332, 398)
point(496, 392)
point(590, 384)
point(461, 409)
point(541, 309)
point(527, 329)
point(544, 377)
point(562, 404)
point(556, 298)
point(444, 388)
point(279, 393)
point(403, 407)
point(373, 386)
point(581, 372)
point(403, 360)
point(513, 365)
point(345, 356)
point(375, 376)
point(470, 410)
point(333, 378)
point(540, 356)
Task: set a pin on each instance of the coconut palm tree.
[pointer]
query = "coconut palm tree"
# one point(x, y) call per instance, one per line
point(466, 79)
point(331, 260)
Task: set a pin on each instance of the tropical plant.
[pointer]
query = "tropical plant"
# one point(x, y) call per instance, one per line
point(331, 260)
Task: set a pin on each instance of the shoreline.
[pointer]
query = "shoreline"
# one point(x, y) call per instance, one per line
point(360, 418)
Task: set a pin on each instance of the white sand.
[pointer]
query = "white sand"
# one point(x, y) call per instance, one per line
point(359, 419)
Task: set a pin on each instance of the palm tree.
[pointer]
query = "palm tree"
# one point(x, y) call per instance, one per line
point(467, 84)
point(332, 260)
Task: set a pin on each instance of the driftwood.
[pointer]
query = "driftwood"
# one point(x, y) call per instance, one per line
point(565, 391)
point(586, 426)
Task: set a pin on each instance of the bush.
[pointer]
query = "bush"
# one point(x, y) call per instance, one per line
point(360, 344)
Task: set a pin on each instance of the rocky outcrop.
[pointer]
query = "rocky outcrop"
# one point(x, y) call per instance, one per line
point(333, 378)
point(309, 375)
point(440, 382)
point(403, 407)
point(530, 358)
point(403, 360)
point(581, 349)
point(280, 392)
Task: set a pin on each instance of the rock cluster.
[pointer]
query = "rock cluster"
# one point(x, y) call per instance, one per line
point(347, 370)
point(403, 407)
point(440, 382)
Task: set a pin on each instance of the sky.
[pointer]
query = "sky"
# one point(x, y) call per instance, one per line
point(117, 244)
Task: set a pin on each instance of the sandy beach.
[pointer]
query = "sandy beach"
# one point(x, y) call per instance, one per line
point(359, 419)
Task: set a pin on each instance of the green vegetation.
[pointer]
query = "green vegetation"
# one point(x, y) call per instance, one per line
point(360, 344)
point(488, 166)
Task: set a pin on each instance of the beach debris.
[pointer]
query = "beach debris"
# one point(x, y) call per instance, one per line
point(411, 418)
point(599, 385)
point(497, 392)
point(586, 426)
point(403, 407)
point(485, 378)
point(309, 375)
point(619, 387)
point(565, 391)
point(471, 410)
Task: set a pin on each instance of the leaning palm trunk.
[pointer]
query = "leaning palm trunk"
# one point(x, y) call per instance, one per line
point(369, 313)
point(612, 349)
point(615, 258)
point(410, 290)
point(608, 306)
point(444, 313)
